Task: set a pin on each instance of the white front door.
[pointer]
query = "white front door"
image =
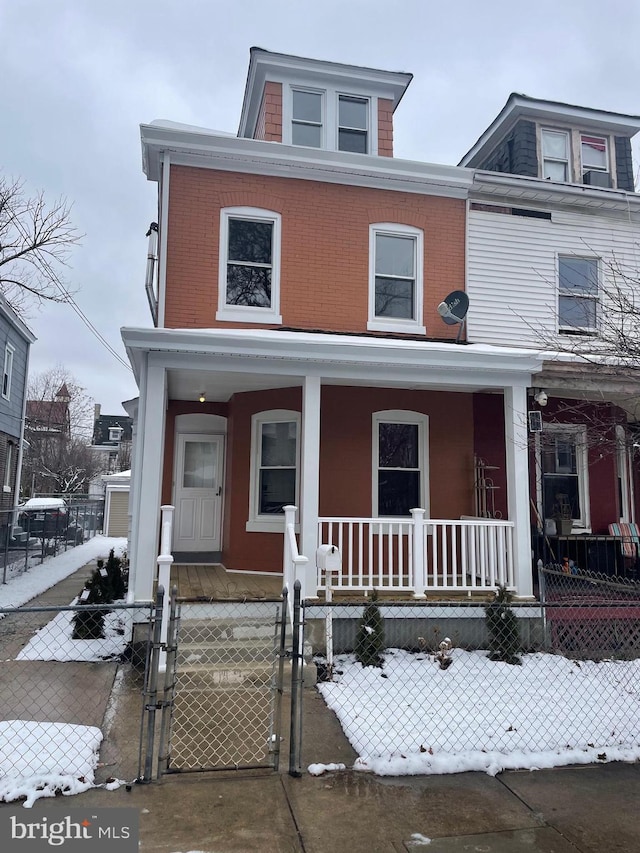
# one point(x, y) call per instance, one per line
point(198, 492)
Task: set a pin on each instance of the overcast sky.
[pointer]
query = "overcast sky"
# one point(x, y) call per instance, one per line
point(79, 76)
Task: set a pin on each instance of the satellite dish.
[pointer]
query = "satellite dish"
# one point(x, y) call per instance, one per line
point(454, 308)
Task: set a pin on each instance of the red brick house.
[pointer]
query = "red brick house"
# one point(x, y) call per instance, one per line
point(297, 279)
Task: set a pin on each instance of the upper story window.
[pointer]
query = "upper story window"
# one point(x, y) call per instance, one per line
point(594, 156)
point(8, 371)
point(307, 123)
point(353, 124)
point(573, 156)
point(395, 278)
point(327, 118)
point(249, 270)
point(115, 433)
point(556, 164)
point(577, 295)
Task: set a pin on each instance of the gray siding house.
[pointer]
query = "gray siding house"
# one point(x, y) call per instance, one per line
point(15, 341)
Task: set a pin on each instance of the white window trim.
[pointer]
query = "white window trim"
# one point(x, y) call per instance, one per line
point(578, 330)
point(623, 468)
point(401, 416)
point(607, 142)
point(368, 128)
point(6, 487)
point(330, 114)
point(583, 524)
point(112, 431)
point(568, 160)
point(389, 324)
point(257, 523)
point(246, 314)
point(9, 352)
point(323, 114)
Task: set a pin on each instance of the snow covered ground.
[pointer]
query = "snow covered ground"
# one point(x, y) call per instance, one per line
point(35, 757)
point(411, 717)
point(37, 579)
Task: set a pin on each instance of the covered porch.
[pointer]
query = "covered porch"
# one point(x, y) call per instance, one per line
point(339, 401)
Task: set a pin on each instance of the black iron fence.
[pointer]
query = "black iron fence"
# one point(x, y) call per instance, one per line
point(28, 536)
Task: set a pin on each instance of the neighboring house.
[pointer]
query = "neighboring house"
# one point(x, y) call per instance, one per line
point(47, 434)
point(16, 341)
point(552, 246)
point(111, 440)
point(297, 277)
point(50, 419)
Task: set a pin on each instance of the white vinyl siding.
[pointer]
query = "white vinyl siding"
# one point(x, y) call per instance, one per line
point(512, 278)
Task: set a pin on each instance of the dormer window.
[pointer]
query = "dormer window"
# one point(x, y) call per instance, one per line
point(115, 433)
point(327, 118)
point(306, 124)
point(353, 114)
point(595, 160)
point(555, 155)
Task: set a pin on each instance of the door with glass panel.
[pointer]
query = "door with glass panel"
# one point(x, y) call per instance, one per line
point(198, 492)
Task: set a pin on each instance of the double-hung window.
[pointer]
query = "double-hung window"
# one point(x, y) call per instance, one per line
point(556, 163)
point(274, 467)
point(8, 371)
point(353, 124)
point(594, 158)
point(306, 123)
point(249, 271)
point(399, 462)
point(577, 295)
point(395, 278)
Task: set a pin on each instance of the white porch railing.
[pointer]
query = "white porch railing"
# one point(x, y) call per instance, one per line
point(420, 555)
point(293, 563)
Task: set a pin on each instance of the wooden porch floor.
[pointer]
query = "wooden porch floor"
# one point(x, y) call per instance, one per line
point(214, 583)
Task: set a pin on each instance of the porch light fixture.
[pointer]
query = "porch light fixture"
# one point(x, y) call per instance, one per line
point(202, 398)
point(541, 397)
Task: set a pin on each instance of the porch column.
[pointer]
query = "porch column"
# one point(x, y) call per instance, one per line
point(149, 459)
point(517, 459)
point(310, 481)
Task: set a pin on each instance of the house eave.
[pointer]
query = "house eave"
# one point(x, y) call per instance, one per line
point(206, 149)
point(497, 186)
point(522, 106)
point(265, 65)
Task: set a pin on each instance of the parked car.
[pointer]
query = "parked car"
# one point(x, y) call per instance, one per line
point(49, 518)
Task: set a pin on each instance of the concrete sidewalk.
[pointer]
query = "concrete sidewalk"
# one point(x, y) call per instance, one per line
point(587, 808)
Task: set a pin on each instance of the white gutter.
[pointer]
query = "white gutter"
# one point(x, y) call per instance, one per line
point(207, 150)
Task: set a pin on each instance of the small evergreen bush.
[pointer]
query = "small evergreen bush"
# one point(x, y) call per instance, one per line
point(370, 636)
point(89, 624)
point(502, 627)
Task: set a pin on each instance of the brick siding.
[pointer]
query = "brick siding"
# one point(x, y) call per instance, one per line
point(325, 247)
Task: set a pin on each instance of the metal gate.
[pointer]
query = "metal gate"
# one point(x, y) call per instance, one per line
point(223, 685)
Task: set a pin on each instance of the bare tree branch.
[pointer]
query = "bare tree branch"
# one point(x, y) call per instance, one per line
point(35, 239)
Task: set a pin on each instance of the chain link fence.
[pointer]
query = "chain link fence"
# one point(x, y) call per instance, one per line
point(29, 537)
point(57, 672)
point(223, 687)
point(443, 687)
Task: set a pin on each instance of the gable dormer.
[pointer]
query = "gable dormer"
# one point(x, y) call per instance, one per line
point(558, 142)
point(318, 104)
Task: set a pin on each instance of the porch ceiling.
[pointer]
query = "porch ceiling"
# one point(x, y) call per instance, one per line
point(223, 362)
point(219, 387)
